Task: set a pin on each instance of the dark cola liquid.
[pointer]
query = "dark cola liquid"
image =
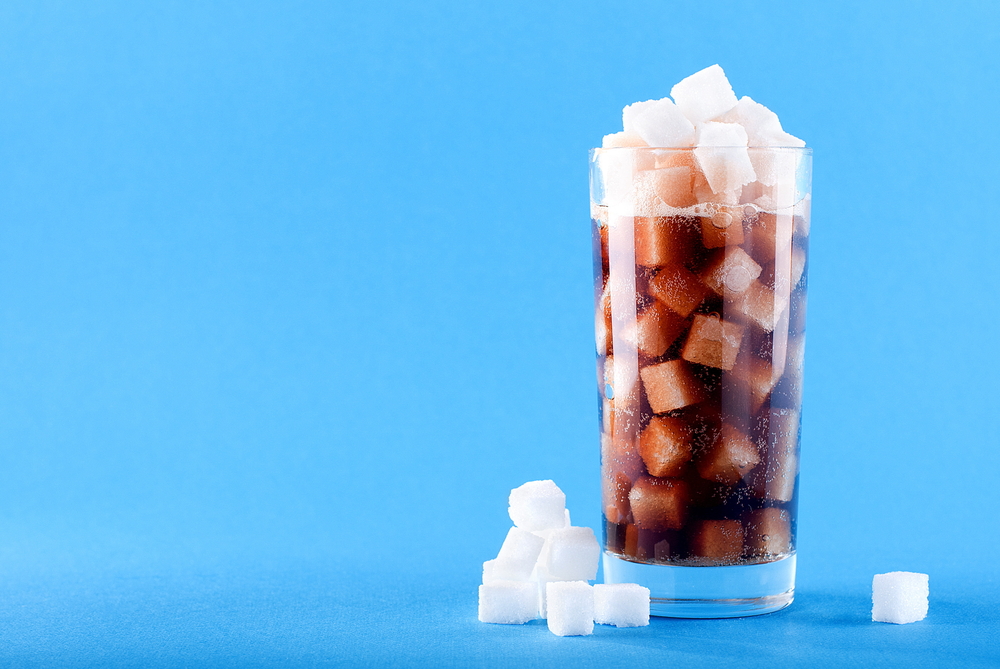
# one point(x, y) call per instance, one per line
point(700, 325)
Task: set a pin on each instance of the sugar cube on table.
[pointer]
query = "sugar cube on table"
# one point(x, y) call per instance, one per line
point(671, 385)
point(570, 608)
point(659, 504)
point(899, 597)
point(704, 95)
point(718, 539)
point(538, 505)
point(713, 342)
point(621, 604)
point(665, 446)
point(571, 553)
point(729, 457)
point(518, 554)
point(508, 602)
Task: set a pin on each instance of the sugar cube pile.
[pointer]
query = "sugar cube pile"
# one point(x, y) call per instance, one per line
point(544, 567)
point(899, 597)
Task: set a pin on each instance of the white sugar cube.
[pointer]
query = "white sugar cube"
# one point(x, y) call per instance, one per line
point(508, 602)
point(704, 95)
point(538, 505)
point(570, 608)
point(899, 597)
point(762, 125)
point(619, 140)
point(489, 572)
point(621, 604)
point(517, 555)
point(659, 123)
point(571, 553)
point(722, 156)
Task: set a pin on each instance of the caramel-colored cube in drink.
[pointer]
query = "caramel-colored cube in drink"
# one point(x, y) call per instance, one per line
point(774, 479)
point(723, 228)
point(671, 385)
point(616, 486)
point(768, 532)
point(620, 453)
point(713, 342)
point(769, 236)
point(655, 330)
point(665, 159)
point(662, 240)
point(658, 504)
point(679, 289)
point(761, 305)
point(665, 446)
point(647, 544)
point(729, 457)
point(730, 271)
point(757, 377)
point(717, 539)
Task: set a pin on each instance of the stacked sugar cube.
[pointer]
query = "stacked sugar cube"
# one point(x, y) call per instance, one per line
point(705, 114)
point(544, 567)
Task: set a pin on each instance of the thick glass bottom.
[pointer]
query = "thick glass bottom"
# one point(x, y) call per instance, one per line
point(708, 592)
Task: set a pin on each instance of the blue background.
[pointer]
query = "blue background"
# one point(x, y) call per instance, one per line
point(293, 293)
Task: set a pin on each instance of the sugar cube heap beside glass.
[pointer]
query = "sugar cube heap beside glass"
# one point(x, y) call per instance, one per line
point(543, 568)
point(899, 597)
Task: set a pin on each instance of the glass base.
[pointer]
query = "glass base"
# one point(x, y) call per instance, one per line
point(708, 592)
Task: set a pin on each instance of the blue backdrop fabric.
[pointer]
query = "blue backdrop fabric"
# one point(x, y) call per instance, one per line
point(293, 293)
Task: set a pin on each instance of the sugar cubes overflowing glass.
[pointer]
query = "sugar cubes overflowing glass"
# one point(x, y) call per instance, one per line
point(543, 568)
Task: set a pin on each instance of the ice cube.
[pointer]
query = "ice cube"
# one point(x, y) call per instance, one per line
point(704, 95)
point(538, 505)
point(518, 555)
point(729, 457)
point(730, 270)
point(724, 227)
point(768, 532)
point(659, 504)
point(678, 288)
point(665, 446)
point(620, 140)
point(662, 240)
point(571, 554)
point(671, 385)
point(722, 156)
point(570, 607)
point(718, 539)
point(713, 342)
point(900, 597)
point(621, 604)
point(508, 602)
point(660, 123)
point(655, 330)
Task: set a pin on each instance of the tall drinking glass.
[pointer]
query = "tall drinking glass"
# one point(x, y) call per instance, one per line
point(700, 291)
